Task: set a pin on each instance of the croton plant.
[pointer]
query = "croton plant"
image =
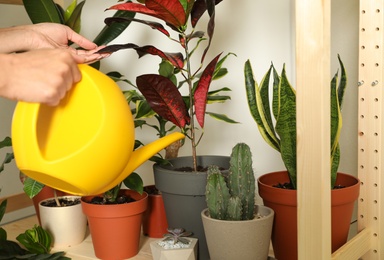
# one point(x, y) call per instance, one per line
point(162, 92)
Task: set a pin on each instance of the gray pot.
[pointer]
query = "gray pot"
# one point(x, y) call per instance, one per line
point(184, 195)
point(245, 240)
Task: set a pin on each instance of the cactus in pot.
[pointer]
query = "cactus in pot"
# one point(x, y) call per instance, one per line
point(232, 197)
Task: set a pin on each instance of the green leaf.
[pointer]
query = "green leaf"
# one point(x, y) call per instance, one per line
point(6, 142)
point(68, 12)
point(134, 182)
point(222, 117)
point(286, 125)
point(3, 207)
point(36, 240)
point(8, 158)
point(144, 110)
point(109, 33)
point(258, 103)
point(32, 187)
point(74, 20)
point(40, 11)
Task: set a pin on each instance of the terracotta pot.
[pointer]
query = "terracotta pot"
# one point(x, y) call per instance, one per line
point(154, 220)
point(245, 239)
point(45, 193)
point(115, 229)
point(284, 203)
point(67, 225)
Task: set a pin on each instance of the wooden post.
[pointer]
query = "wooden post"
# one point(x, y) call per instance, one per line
point(313, 128)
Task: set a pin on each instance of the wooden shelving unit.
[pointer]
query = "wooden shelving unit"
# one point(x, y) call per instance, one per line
point(313, 45)
point(313, 20)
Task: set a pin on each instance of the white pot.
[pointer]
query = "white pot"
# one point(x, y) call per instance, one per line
point(67, 225)
point(161, 253)
point(244, 239)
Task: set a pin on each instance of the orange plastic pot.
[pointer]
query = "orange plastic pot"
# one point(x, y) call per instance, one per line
point(116, 229)
point(155, 222)
point(284, 203)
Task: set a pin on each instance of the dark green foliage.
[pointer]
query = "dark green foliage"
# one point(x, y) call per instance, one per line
point(37, 241)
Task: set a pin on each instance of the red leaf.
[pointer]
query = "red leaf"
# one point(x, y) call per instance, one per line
point(199, 9)
point(153, 25)
point(170, 11)
point(164, 98)
point(176, 59)
point(201, 91)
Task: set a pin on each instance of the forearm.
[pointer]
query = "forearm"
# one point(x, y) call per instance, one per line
point(15, 39)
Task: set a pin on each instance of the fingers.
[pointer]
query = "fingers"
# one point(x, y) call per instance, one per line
point(84, 56)
point(80, 40)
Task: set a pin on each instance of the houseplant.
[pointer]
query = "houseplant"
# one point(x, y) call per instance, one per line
point(36, 241)
point(175, 245)
point(163, 94)
point(282, 136)
point(63, 218)
point(115, 219)
point(234, 226)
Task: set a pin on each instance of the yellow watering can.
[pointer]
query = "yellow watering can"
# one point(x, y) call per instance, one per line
point(83, 146)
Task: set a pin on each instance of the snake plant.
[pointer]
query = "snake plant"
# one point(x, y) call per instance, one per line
point(276, 117)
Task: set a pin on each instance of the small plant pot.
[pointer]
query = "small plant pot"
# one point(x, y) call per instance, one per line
point(164, 253)
point(67, 224)
point(243, 239)
point(154, 220)
point(46, 193)
point(116, 228)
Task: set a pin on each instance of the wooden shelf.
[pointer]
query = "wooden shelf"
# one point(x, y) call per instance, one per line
point(83, 251)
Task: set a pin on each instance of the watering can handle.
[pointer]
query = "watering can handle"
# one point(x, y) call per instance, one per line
point(141, 155)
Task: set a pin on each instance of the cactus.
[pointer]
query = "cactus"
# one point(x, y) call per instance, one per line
point(242, 179)
point(232, 198)
point(217, 193)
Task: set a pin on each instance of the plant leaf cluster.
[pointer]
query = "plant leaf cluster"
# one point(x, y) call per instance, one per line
point(276, 117)
point(177, 235)
point(36, 240)
point(161, 93)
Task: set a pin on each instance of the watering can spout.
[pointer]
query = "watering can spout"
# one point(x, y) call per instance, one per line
point(141, 155)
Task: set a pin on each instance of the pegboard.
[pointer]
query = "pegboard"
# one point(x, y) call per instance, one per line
point(370, 124)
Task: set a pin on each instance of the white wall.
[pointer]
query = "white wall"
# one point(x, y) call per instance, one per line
point(261, 31)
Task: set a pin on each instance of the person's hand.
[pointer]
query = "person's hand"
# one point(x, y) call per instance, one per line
point(52, 35)
point(42, 76)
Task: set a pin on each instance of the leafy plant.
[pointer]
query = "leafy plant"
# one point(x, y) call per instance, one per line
point(37, 241)
point(279, 131)
point(177, 235)
point(162, 92)
point(6, 142)
point(232, 197)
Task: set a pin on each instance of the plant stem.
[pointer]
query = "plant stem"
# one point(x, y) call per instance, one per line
point(191, 103)
point(56, 198)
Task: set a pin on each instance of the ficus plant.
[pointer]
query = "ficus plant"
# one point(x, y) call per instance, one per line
point(162, 92)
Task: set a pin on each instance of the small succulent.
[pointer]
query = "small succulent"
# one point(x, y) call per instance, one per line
point(177, 235)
